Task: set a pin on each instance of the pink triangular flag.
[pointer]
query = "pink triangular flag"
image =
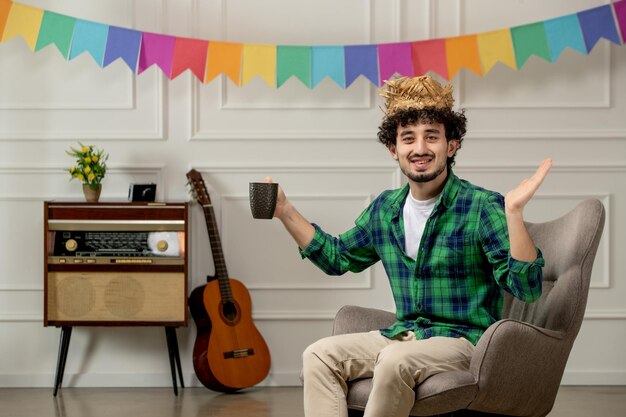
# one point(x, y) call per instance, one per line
point(156, 49)
point(394, 58)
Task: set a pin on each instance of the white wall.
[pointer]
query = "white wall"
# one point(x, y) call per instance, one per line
point(319, 144)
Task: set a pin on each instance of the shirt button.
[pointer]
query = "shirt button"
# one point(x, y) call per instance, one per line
point(419, 306)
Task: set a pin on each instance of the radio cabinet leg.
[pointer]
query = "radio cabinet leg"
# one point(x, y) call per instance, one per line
point(64, 344)
point(174, 355)
point(172, 348)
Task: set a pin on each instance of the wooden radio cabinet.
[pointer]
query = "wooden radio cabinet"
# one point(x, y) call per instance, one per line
point(115, 264)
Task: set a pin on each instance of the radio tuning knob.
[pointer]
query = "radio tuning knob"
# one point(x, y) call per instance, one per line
point(71, 245)
point(162, 245)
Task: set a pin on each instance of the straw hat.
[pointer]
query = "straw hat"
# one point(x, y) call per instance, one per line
point(418, 92)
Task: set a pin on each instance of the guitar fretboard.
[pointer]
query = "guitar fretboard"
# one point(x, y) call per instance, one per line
point(221, 271)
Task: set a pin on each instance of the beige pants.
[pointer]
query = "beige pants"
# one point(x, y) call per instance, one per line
point(396, 367)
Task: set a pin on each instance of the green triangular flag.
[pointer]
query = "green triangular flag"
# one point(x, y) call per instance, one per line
point(57, 29)
point(293, 60)
point(530, 40)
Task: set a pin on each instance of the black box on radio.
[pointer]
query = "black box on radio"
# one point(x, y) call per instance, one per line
point(142, 192)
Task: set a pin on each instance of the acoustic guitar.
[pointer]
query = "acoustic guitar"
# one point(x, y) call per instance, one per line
point(229, 353)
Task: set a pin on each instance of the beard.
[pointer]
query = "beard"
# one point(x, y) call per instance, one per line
point(426, 176)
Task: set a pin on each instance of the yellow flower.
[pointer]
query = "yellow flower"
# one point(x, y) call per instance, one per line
point(90, 166)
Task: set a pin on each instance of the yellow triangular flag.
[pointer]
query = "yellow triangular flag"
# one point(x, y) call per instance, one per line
point(24, 21)
point(259, 60)
point(494, 47)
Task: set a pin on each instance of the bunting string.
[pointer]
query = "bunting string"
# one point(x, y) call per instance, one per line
point(275, 64)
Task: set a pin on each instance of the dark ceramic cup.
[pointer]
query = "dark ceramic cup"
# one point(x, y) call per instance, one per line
point(263, 199)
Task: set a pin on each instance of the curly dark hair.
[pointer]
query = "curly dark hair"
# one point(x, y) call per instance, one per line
point(455, 124)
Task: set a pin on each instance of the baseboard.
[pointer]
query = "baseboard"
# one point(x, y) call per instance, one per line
point(594, 377)
point(151, 380)
point(135, 380)
point(280, 379)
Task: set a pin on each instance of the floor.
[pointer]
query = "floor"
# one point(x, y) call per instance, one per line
point(257, 402)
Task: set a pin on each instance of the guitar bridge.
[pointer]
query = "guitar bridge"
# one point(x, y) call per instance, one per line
point(238, 353)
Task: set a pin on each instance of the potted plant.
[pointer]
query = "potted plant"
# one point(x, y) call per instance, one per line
point(89, 168)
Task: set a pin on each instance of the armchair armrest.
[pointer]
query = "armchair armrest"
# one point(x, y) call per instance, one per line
point(355, 319)
point(523, 364)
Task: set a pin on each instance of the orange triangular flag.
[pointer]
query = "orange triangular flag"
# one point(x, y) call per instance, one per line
point(5, 8)
point(224, 57)
point(462, 51)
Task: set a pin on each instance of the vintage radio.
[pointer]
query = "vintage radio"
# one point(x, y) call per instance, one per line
point(115, 264)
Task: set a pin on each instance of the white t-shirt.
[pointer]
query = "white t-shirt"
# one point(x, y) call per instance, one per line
point(415, 214)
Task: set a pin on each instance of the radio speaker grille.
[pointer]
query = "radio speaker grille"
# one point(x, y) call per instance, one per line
point(116, 297)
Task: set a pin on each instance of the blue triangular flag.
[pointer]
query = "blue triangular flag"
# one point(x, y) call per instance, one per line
point(598, 23)
point(125, 44)
point(328, 61)
point(361, 60)
point(564, 32)
point(89, 37)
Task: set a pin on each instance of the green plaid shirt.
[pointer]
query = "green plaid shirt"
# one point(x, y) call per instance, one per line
point(453, 288)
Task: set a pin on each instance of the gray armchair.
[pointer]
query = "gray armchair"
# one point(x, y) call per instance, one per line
point(519, 361)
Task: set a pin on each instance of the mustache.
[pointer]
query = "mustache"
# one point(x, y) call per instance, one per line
point(421, 155)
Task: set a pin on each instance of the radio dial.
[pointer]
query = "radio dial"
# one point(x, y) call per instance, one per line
point(71, 245)
point(162, 245)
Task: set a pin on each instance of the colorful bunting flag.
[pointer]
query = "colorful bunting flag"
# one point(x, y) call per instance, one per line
point(496, 46)
point(23, 21)
point(190, 54)
point(395, 58)
point(564, 32)
point(259, 60)
point(430, 56)
point(620, 15)
point(224, 57)
point(462, 51)
point(156, 49)
point(529, 40)
point(56, 29)
point(293, 61)
point(275, 64)
point(361, 60)
point(598, 23)
point(5, 8)
point(328, 61)
point(89, 37)
point(122, 43)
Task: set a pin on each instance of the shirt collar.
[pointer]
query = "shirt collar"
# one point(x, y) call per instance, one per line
point(450, 190)
point(447, 196)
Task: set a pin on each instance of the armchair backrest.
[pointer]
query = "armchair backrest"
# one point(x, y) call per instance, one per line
point(569, 245)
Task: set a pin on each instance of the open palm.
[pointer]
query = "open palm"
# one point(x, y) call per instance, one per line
point(516, 199)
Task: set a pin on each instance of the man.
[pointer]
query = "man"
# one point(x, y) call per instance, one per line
point(447, 246)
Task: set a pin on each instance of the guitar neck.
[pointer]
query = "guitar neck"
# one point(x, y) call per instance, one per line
point(221, 271)
point(202, 195)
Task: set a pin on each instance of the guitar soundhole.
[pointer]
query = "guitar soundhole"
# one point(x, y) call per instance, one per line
point(230, 311)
